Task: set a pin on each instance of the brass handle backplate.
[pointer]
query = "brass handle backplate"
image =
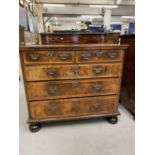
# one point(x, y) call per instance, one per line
point(95, 106)
point(53, 108)
point(98, 70)
point(98, 87)
point(112, 55)
point(85, 56)
point(52, 72)
point(64, 57)
point(34, 57)
point(52, 90)
point(75, 69)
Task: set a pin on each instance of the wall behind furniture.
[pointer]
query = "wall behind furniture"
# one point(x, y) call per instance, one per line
point(23, 19)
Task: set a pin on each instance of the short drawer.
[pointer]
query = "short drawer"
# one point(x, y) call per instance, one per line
point(99, 56)
point(48, 57)
point(73, 107)
point(52, 72)
point(71, 88)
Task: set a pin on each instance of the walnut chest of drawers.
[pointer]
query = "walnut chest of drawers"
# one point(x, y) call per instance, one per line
point(68, 82)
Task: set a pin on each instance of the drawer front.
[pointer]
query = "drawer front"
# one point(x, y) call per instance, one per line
point(72, 38)
point(73, 107)
point(50, 72)
point(71, 88)
point(48, 57)
point(57, 39)
point(99, 56)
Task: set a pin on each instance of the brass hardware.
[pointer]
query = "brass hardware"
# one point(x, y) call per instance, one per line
point(98, 87)
point(52, 72)
point(98, 70)
point(49, 55)
point(64, 57)
point(54, 108)
point(52, 90)
point(100, 54)
point(112, 55)
point(34, 57)
point(85, 56)
point(75, 69)
point(95, 106)
point(75, 83)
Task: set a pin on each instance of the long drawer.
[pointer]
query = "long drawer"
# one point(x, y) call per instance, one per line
point(48, 57)
point(52, 72)
point(94, 56)
point(73, 107)
point(71, 88)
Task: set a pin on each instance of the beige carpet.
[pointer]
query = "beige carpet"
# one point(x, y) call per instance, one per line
point(89, 137)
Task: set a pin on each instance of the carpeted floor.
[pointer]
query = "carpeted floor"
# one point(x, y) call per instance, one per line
point(88, 137)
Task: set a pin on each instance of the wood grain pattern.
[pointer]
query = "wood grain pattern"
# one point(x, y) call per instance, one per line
point(71, 88)
point(49, 57)
point(73, 107)
point(53, 72)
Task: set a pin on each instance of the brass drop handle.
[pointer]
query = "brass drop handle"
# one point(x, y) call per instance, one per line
point(52, 90)
point(75, 69)
point(85, 56)
point(112, 55)
point(96, 106)
point(98, 87)
point(54, 108)
point(64, 57)
point(98, 70)
point(52, 72)
point(34, 57)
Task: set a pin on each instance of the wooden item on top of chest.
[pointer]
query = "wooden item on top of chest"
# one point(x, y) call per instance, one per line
point(78, 38)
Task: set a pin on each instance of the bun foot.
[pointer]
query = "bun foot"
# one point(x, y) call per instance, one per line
point(112, 120)
point(34, 127)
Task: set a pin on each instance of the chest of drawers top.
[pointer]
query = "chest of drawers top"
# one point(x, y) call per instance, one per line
point(73, 46)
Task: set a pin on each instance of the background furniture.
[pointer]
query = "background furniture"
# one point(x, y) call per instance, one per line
point(67, 37)
point(128, 77)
